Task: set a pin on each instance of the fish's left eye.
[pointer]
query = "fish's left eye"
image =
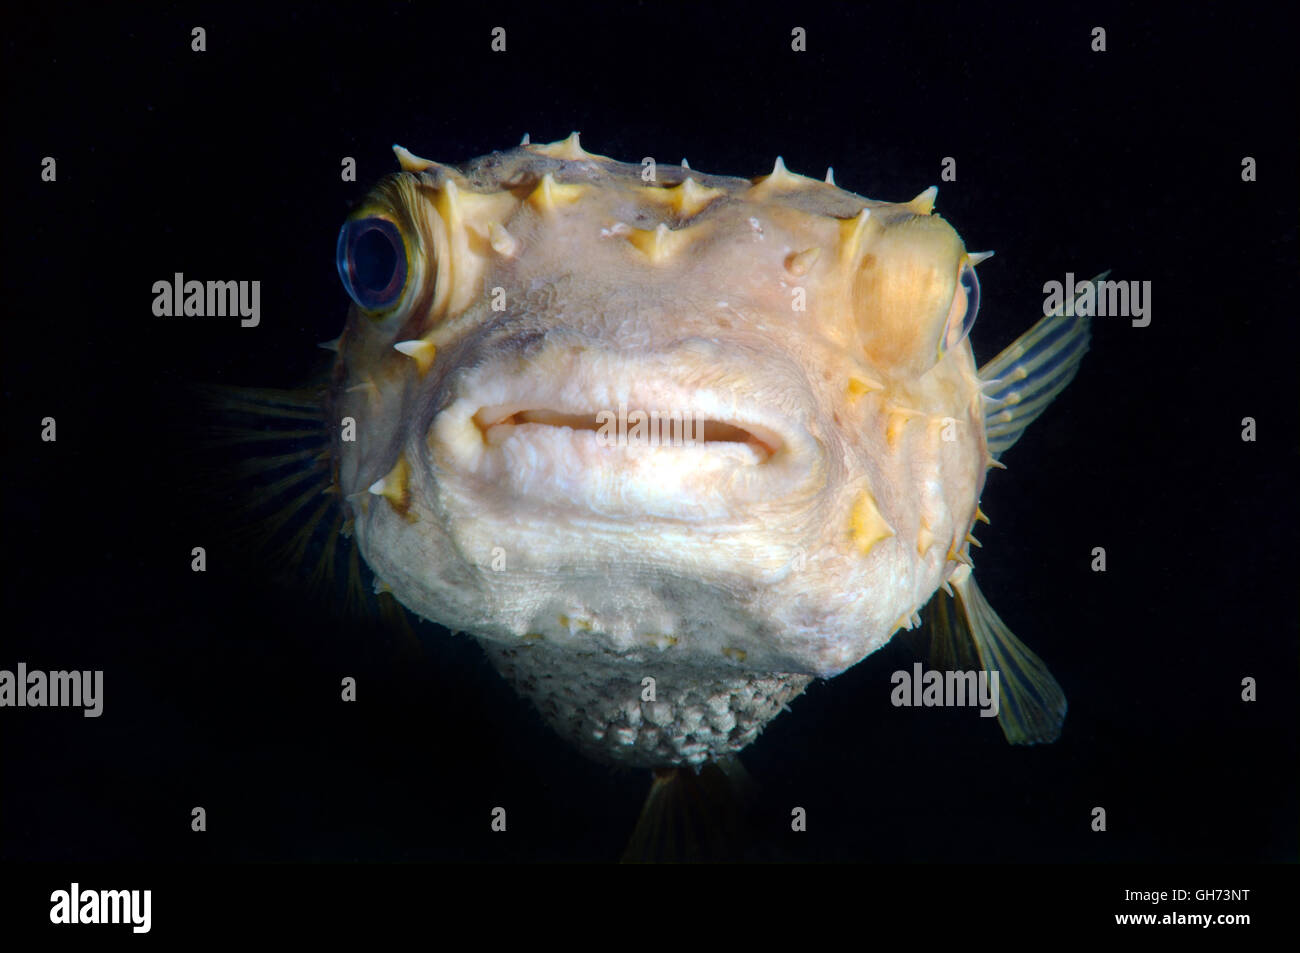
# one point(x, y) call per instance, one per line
point(965, 306)
point(371, 259)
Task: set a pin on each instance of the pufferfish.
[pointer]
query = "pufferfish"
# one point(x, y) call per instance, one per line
point(518, 324)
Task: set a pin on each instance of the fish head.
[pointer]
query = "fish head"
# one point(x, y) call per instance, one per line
point(728, 424)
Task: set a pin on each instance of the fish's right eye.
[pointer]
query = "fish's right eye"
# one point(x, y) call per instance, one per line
point(965, 307)
point(371, 259)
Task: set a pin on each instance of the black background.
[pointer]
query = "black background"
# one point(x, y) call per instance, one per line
point(222, 688)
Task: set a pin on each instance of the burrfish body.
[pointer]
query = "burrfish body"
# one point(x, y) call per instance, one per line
point(670, 445)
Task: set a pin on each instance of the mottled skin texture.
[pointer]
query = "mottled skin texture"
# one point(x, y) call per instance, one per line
point(761, 561)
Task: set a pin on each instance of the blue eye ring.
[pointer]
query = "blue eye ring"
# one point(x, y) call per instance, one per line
point(971, 283)
point(371, 259)
point(968, 293)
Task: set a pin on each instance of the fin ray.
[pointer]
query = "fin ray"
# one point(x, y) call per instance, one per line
point(1028, 375)
point(1031, 705)
point(951, 648)
point(271, 462)
point(694, 815)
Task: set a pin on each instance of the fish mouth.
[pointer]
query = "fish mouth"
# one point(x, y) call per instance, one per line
point(610, 434)
point(626, 428)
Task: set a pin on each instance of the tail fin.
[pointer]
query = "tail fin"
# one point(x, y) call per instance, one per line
point(692, 816)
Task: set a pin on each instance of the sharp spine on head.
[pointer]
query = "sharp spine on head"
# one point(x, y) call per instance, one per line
point(690, 197)
point(923, 204)
point(958, 556)
point(550, 194)
point(423, 352)
point(502, 242)
point(687, 199)
point(866, 526)
point(830, 175)
point(898, 419)
point(452, 213)
point(658, 244)
point(800, 263)
point(859, 385)
point(853, 232)
point(411, 162)
point(924, 539)
point(330, 345)
point(394, 487)
point(570, 148)
point(979, 257)
point(778, 178)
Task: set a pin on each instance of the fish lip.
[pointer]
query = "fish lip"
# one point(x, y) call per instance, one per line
point(774, 453)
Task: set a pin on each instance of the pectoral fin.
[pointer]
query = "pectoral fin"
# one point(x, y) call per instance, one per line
point(1021, 381)
point(1031, 705)
point(265, 453)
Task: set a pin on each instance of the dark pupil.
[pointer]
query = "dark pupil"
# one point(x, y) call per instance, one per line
point(374, 260)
